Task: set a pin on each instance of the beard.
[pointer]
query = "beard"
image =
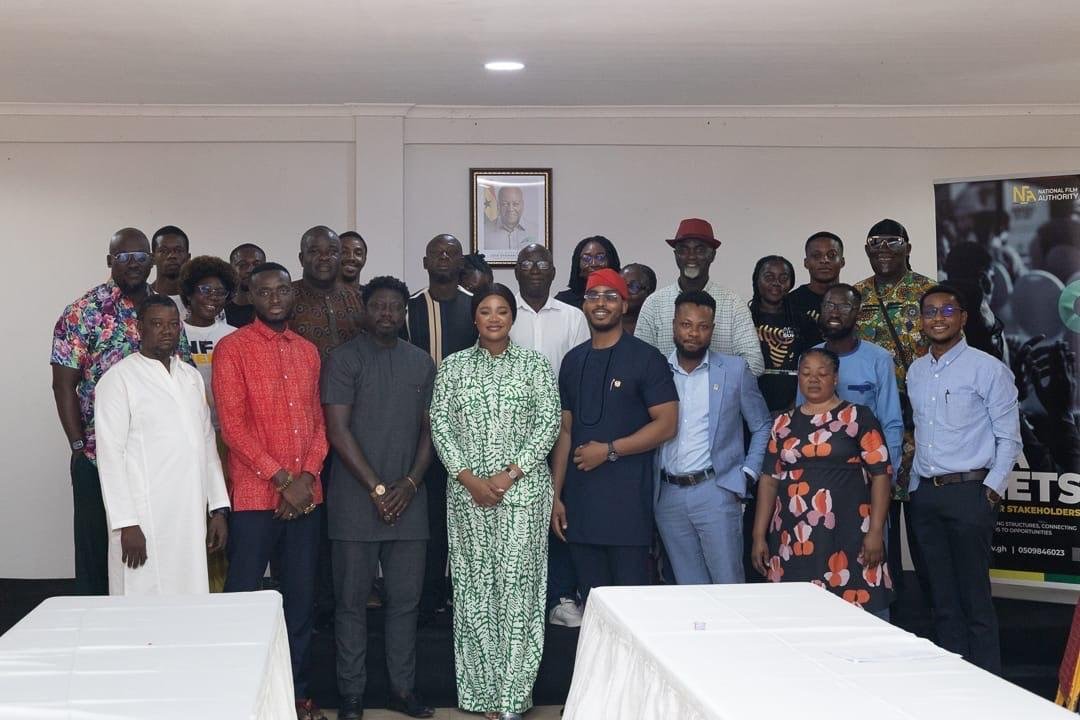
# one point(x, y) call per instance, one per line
point(691, 354)
point(839, 333)
point(608, 323)
point(692, 273)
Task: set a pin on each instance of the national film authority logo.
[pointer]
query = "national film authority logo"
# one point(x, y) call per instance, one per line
point(1028, 194)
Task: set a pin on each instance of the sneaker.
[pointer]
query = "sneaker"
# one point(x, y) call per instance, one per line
point(566, 613)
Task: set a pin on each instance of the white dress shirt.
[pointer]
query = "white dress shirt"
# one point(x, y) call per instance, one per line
point(552, 332)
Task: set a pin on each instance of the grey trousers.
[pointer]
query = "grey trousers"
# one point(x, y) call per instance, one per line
point(355, 565)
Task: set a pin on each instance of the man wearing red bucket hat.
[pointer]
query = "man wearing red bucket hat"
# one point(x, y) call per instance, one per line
point(695, 248)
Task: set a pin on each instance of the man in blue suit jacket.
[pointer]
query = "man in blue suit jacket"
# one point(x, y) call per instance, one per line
point(703, 473)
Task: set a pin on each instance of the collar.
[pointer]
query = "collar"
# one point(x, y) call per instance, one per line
point(267, 333)
point(549, 304)
point(509, 353)
point(952, 354)
point(673, 361)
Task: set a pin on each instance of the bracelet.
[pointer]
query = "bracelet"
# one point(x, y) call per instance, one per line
point(287, 483)
point(415, 487)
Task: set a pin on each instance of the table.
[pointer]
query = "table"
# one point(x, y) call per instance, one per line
point(185, 657)
point(788, 650)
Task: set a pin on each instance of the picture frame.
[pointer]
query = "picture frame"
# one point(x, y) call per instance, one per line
point(523, 216)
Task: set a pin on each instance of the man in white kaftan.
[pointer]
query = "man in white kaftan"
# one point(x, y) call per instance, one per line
point(159, 465)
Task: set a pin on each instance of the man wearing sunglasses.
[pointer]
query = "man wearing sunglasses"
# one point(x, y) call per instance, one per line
point(552, 328)
point(93, 334)
point(889, 317)
point(967, 437)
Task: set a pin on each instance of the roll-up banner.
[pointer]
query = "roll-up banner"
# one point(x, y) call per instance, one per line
point(1012, 246)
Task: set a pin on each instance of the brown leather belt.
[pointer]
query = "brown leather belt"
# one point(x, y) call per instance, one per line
point(688, 480)
point(960, 477)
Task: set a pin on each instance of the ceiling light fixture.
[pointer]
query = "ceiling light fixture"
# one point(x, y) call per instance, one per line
point(504, 65)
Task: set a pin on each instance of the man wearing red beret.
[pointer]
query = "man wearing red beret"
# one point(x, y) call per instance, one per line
point(619, 403)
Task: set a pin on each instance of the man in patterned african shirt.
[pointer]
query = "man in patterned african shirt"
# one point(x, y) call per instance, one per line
point(895, 289)
point(94, 333)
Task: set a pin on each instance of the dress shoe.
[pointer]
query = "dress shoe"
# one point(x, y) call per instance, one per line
point(409, 704)
point(306, 709)
point(510, 716)
point(352, 708)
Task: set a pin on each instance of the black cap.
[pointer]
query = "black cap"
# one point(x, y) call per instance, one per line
point(888, 226)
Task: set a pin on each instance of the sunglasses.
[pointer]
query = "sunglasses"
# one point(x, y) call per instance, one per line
point(893, 242)
point(136, 256)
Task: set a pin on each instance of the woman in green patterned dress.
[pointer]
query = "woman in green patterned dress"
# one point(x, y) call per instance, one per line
point(495, 415)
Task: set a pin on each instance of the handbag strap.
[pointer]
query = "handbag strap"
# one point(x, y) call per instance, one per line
point(892, 330)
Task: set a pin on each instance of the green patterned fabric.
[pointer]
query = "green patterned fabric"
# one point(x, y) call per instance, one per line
point(487, 412)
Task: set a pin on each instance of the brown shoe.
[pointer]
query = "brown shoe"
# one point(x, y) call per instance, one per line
point(308, 710)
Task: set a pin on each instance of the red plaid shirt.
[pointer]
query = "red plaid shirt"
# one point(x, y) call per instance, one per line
point(266, 385)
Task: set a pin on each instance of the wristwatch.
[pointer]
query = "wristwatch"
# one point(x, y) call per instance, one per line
point(78, 445)
point(612, 456)
point(512, 473)
point(379, 490)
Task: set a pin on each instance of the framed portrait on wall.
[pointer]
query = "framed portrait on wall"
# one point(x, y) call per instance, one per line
point(511, 208)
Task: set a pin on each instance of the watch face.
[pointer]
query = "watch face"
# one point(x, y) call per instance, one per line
point(380, 489)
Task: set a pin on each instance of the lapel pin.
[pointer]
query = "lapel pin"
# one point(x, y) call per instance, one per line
point(715, 387)
point(617, 383)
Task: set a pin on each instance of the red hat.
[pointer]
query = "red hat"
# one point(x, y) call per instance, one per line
point(608, 278)
point(695, 229)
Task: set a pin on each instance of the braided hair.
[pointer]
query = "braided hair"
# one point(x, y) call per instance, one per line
point(755, 300)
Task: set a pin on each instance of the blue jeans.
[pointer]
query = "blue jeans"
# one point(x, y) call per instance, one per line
point(254, 538)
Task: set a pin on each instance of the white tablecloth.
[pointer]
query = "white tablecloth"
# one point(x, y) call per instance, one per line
point(193, 657)
point(791, 650)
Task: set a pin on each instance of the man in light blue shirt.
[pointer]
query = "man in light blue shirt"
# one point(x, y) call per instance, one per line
point(967, 438)
point(867, 375)
point(703, 473)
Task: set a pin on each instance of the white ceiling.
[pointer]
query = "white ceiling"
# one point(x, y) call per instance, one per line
point(577, 52)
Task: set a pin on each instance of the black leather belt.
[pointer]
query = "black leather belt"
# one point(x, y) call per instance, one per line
point(960, 477)
point(688, 480)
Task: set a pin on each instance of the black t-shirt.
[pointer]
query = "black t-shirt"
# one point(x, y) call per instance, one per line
point(239, 315)
point(806, 303)
point(783, 338)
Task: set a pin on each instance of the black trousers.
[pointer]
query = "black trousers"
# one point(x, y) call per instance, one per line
point(254, 538)
point(324, 574)
point(603, 565)
point(954, 525)
point(436, 588)
point(91, 530)
point(356, 565)
point(901, 512)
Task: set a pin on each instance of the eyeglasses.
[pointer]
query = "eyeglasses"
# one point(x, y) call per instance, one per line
point(597, 259)
point(893, 242)
point(212, 292)
point(829, 305)
point(635, 287)
point(136, 256)
point(282, 291)
point(609, 295)
point(931, 311)
point(538, 264)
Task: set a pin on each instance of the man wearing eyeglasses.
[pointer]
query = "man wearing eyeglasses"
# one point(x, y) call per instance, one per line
point(889, 317)
point(866, 369)
point(695, 249)
point(967, 438)
point(266, 386)
point(93, 334)
point(552, 328)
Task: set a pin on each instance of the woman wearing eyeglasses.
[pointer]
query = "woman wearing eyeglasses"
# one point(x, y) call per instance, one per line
point(823, 496)
point(206, 284)
point(641, 282)
point(591, 254)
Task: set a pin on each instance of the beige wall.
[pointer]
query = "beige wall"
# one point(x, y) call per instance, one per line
point(765, 177)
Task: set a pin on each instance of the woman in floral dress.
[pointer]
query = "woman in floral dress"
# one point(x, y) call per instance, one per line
point(495, 415)
point(823, 496)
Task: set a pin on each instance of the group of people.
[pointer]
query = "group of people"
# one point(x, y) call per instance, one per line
point(226, 417)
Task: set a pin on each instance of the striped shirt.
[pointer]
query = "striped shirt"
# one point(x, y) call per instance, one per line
point(734, 333)
point(440, 328)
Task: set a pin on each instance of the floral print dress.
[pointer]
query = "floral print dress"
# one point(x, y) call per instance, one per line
point(824, 463)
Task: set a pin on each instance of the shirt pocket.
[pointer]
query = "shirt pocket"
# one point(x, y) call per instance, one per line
point(962, 407)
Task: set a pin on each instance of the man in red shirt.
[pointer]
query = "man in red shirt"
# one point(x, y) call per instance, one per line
point(266, 384)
